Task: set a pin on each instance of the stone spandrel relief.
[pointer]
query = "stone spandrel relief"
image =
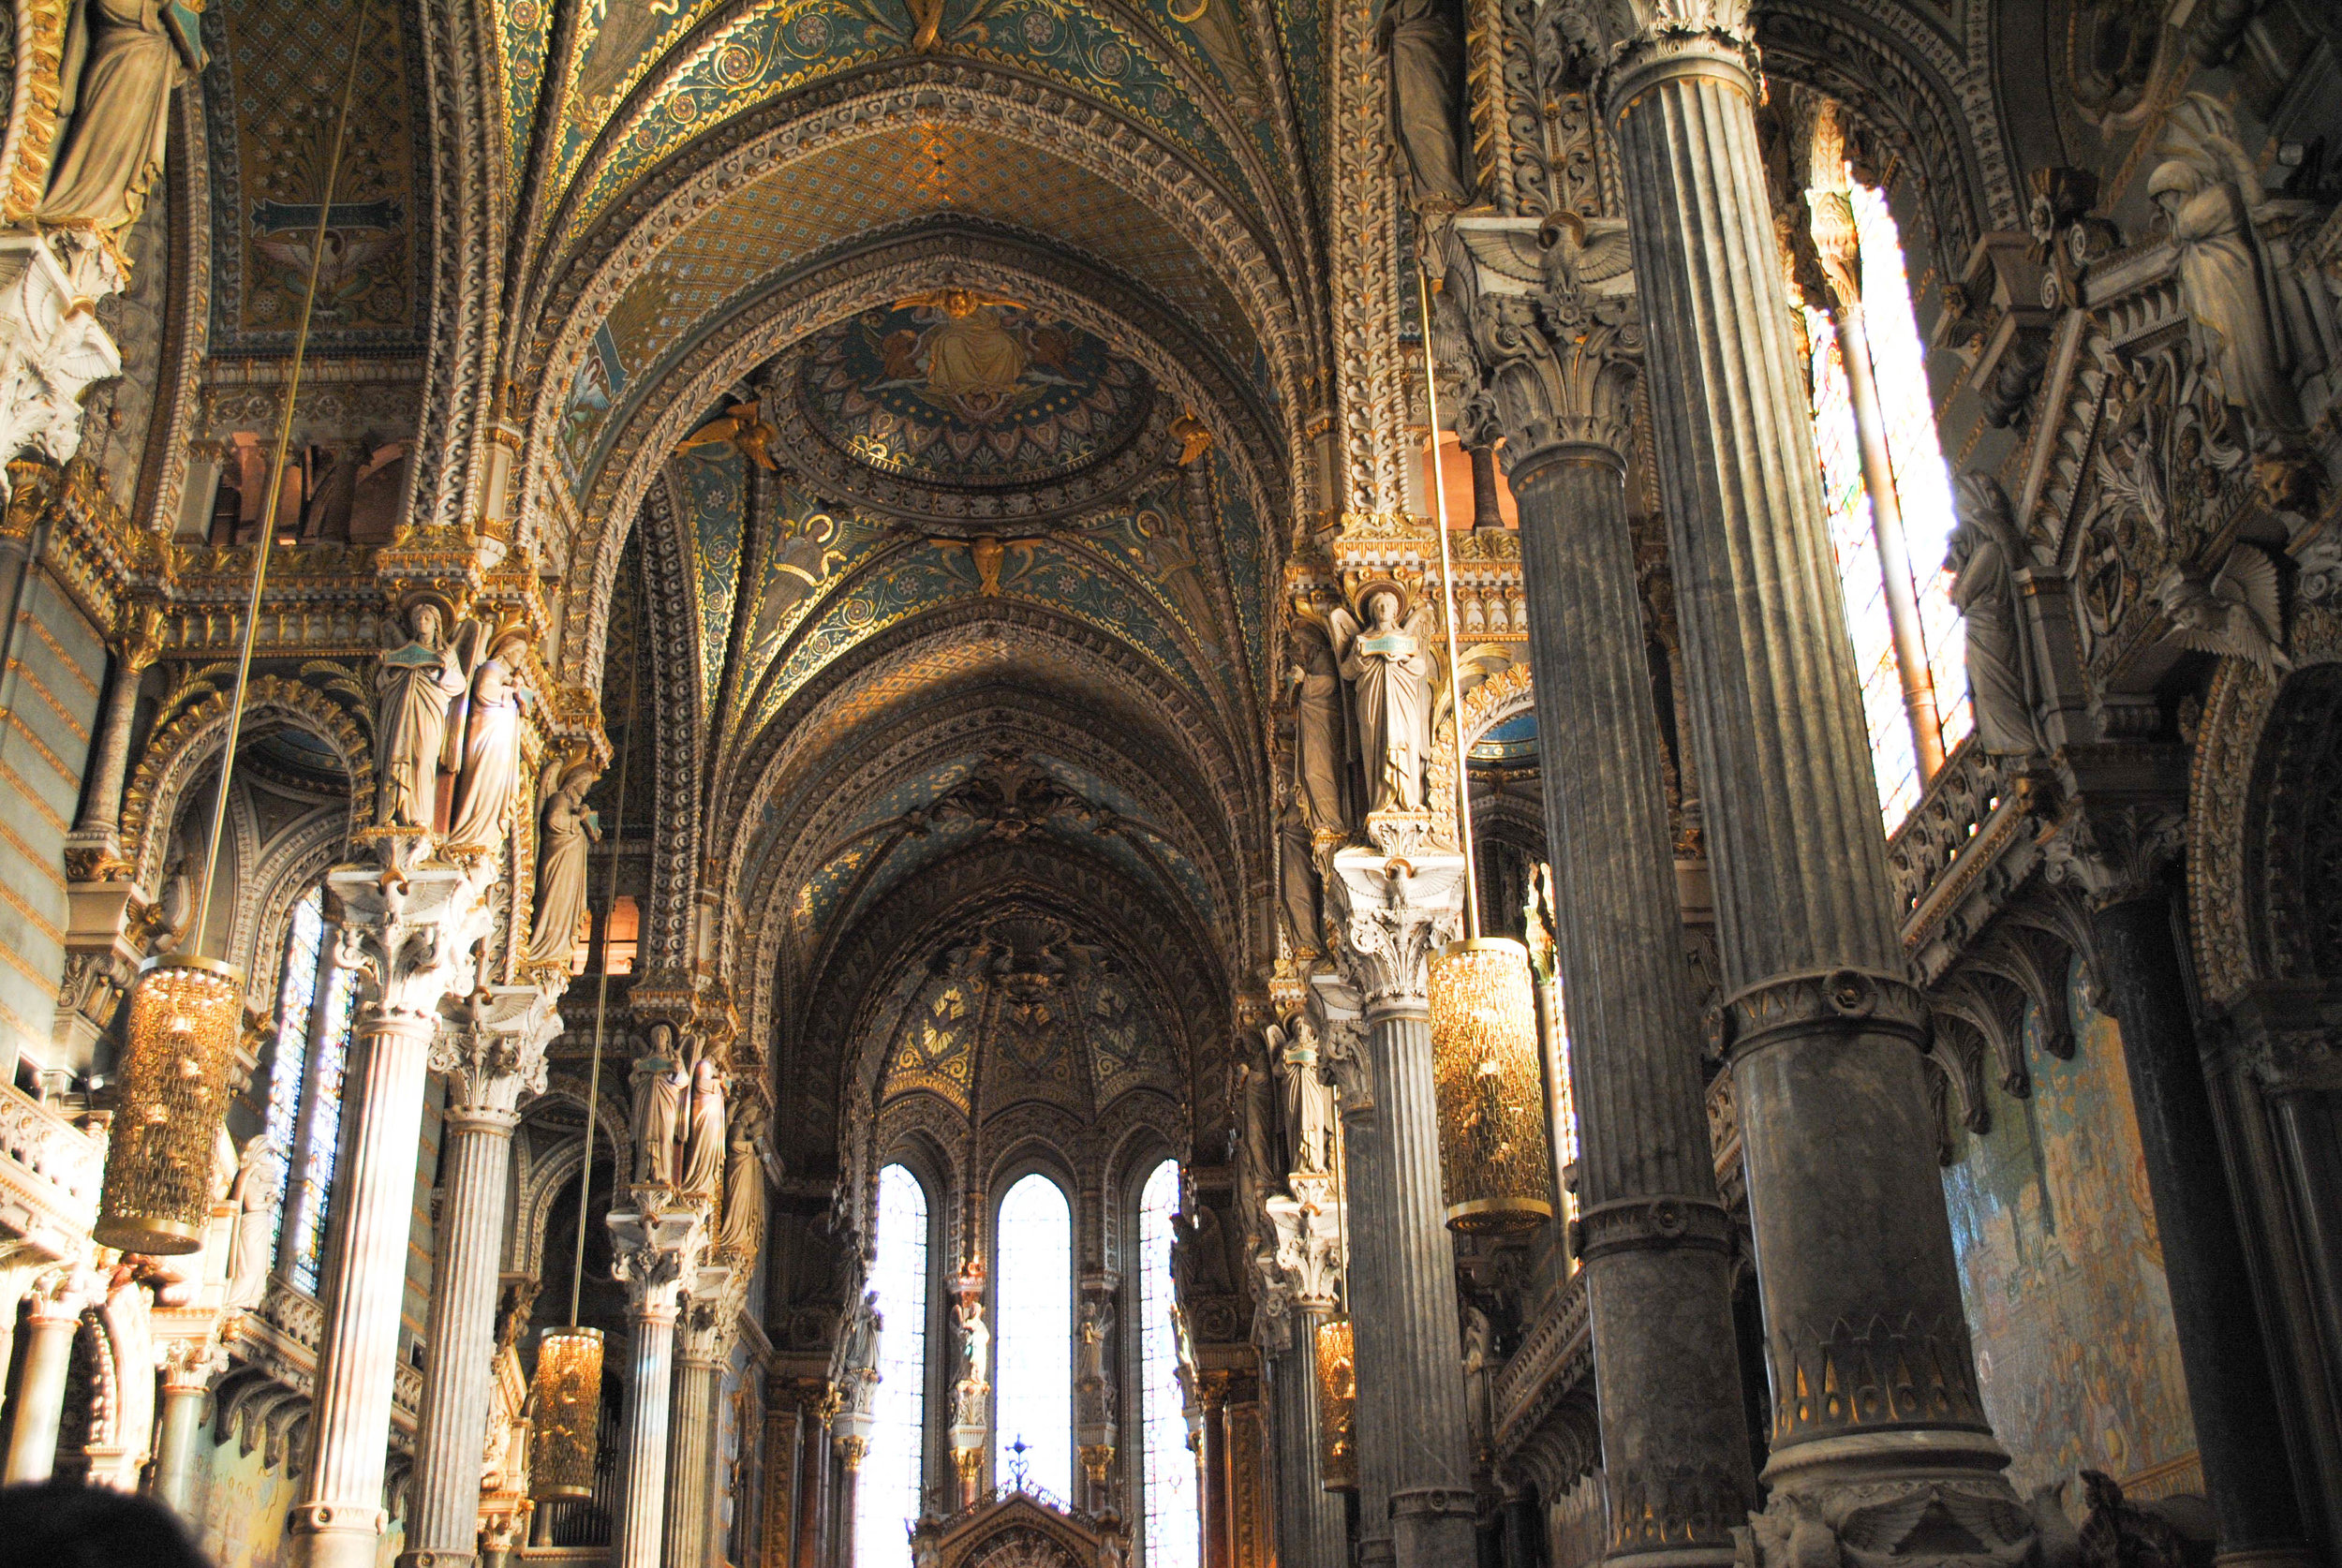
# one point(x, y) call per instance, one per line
point(2061, 1272)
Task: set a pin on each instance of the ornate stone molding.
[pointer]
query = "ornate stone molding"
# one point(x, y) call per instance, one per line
point(408, 937)
point(654, 1245)
point(1393, 914)
point(1792, 1005)
point(492, 1046)
point(1309, 1242)
point(51, 346)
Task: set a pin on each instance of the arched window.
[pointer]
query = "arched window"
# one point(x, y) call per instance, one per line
point(887, 1502)
point(1173, 1531)
point(314, 1005)
point(1924, 493)
point(1034, 1315)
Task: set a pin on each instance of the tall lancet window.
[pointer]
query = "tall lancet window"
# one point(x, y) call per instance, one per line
point(886, 1500)
point(1033, 1412)
point(314, 1003)
point(1923, 490)
point(1172, 1531)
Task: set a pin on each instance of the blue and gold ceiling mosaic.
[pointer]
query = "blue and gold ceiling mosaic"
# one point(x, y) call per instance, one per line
point(959, 389)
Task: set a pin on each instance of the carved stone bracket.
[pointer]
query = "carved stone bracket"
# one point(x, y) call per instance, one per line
point(408, 937)
point(1392, 915)
point(51, 346)
point(710, 1315)
point(1309, 1242)
point(2116, 856)
point(655, 1246)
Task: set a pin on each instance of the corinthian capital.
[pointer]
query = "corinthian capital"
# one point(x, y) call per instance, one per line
point(2113, 856)
point(1631, 33)
point(491, 1044)
point(1549, 308)
point(408, 936)
point(1394, 913)
point(653, 1250)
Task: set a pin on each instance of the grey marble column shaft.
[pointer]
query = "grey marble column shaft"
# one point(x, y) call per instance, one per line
point(1371, 1351)
point(110, 765)
point(54, 1319)
point(1410, 1297)
point(642, 1510)
point(1872, 1381)
point(341, 1516)
point(692, 1459)
point(456, 1383)
point(189, 1369)
point(1312, 1531)
point(1654, 1235)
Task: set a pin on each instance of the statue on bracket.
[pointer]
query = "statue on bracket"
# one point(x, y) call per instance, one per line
point(660, 1080)
point(704, 1145)
point(1424, 47)
point(1984, 554)
point(490, 746)
point(1388, 666)
point(566, 829)
point(122, 60)
point(1297, 878)
point(1320, 741)
point(414, 683)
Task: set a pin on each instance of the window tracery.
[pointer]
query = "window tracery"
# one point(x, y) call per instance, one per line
point(1033, 1427)
point(887, 1498)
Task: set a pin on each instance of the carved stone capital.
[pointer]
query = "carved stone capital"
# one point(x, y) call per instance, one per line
point(60, 1295)
point(1791, 1005)
point(708, 1318)
point(491, 1044)
point(2114, 856)
point(188, 1366)
point(1392, 915)
point(1649, 41)
point(2284, 1034)
point(1308, 1242)
point(1344, 1056)
point(1549, 311)
point(51, 345)
point(653, 1250)
point(408, 936)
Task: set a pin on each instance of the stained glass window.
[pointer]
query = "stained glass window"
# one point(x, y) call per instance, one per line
point(295, 993)
point(321, 1147)
point(1923, 490)
point(886, 1500)
point(1033, 1388)
point(1173, 1531)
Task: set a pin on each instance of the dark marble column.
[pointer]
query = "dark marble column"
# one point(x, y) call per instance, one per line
point(1653, 1233)
point(2119, 861)
point(1371, 1342)
point(1405, 1304)
point(1874, 1389)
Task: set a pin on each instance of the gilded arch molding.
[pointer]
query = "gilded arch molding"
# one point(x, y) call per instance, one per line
point(180, 748)
point(933, 256)
point(763, 142)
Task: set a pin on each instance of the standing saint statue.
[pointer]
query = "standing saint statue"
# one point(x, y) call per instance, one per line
point(490, 770)
point(1318, 754)
point(659, 1081)
point(743, 1223)
point(1309, 1100)
point(1390, 682)
point(567, 829)
point(1424, 47)
point(413, 686)
point(703, 1148)
point(1297, 878)
point(1984, 556)
point(122, 59)
point(260, 1174)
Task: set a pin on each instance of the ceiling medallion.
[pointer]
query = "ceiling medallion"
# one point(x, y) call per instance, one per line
point(958, 407)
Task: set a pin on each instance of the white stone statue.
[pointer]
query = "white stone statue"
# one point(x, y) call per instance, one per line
point(976, 1341)
point(122, 59)
point(743, 1224)
point(704, 1145)
point(1309, 1100)
point(659, 1113)
point(2209, 193)
point(1318, 750)
point(562, 846)
point(1389, 673)
point(1985, 552)
point(256, 1194)
point(491, 762)
point(413, 686)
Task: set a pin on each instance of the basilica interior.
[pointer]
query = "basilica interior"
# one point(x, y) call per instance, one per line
point(1175, 783)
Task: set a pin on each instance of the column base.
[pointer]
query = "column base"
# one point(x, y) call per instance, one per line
point(437, 1560)
point(336, 1535)
point(1434, 1527)
point(1682, 1557)
point(2264, 1557)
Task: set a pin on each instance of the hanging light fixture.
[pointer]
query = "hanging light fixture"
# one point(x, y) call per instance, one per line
point(567, 1393)
point(185, 1011)
point(1337, 1406)
point(1495, 1167)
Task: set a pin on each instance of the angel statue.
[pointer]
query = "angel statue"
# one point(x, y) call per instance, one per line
point(1985, 552)
point(2233, 611)
point(976, 1341)
point(413, 685)
point(743, 427)
point(1390, 680)
point(490, 757)
point(566, 829)
point(2209, 194)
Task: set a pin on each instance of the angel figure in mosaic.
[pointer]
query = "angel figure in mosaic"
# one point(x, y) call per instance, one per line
point(741, 426)
point(1388, 666)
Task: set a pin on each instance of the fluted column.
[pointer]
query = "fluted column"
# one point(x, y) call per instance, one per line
point(492, 1055)
point(2120, 861)
point(703, 1344)
point(188, 1366)
point(654, 1245)
point(1312, 1531)
point(407, 938)
point(52, 1317)
point(138, 648)
point(1874, 1395)
point(1392, 917)
point(1652, 1233)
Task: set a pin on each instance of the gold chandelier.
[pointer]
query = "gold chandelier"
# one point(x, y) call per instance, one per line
point(1337, 1406)
point(568, 1397)
point(1495, 1167)
point(185, 1011)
